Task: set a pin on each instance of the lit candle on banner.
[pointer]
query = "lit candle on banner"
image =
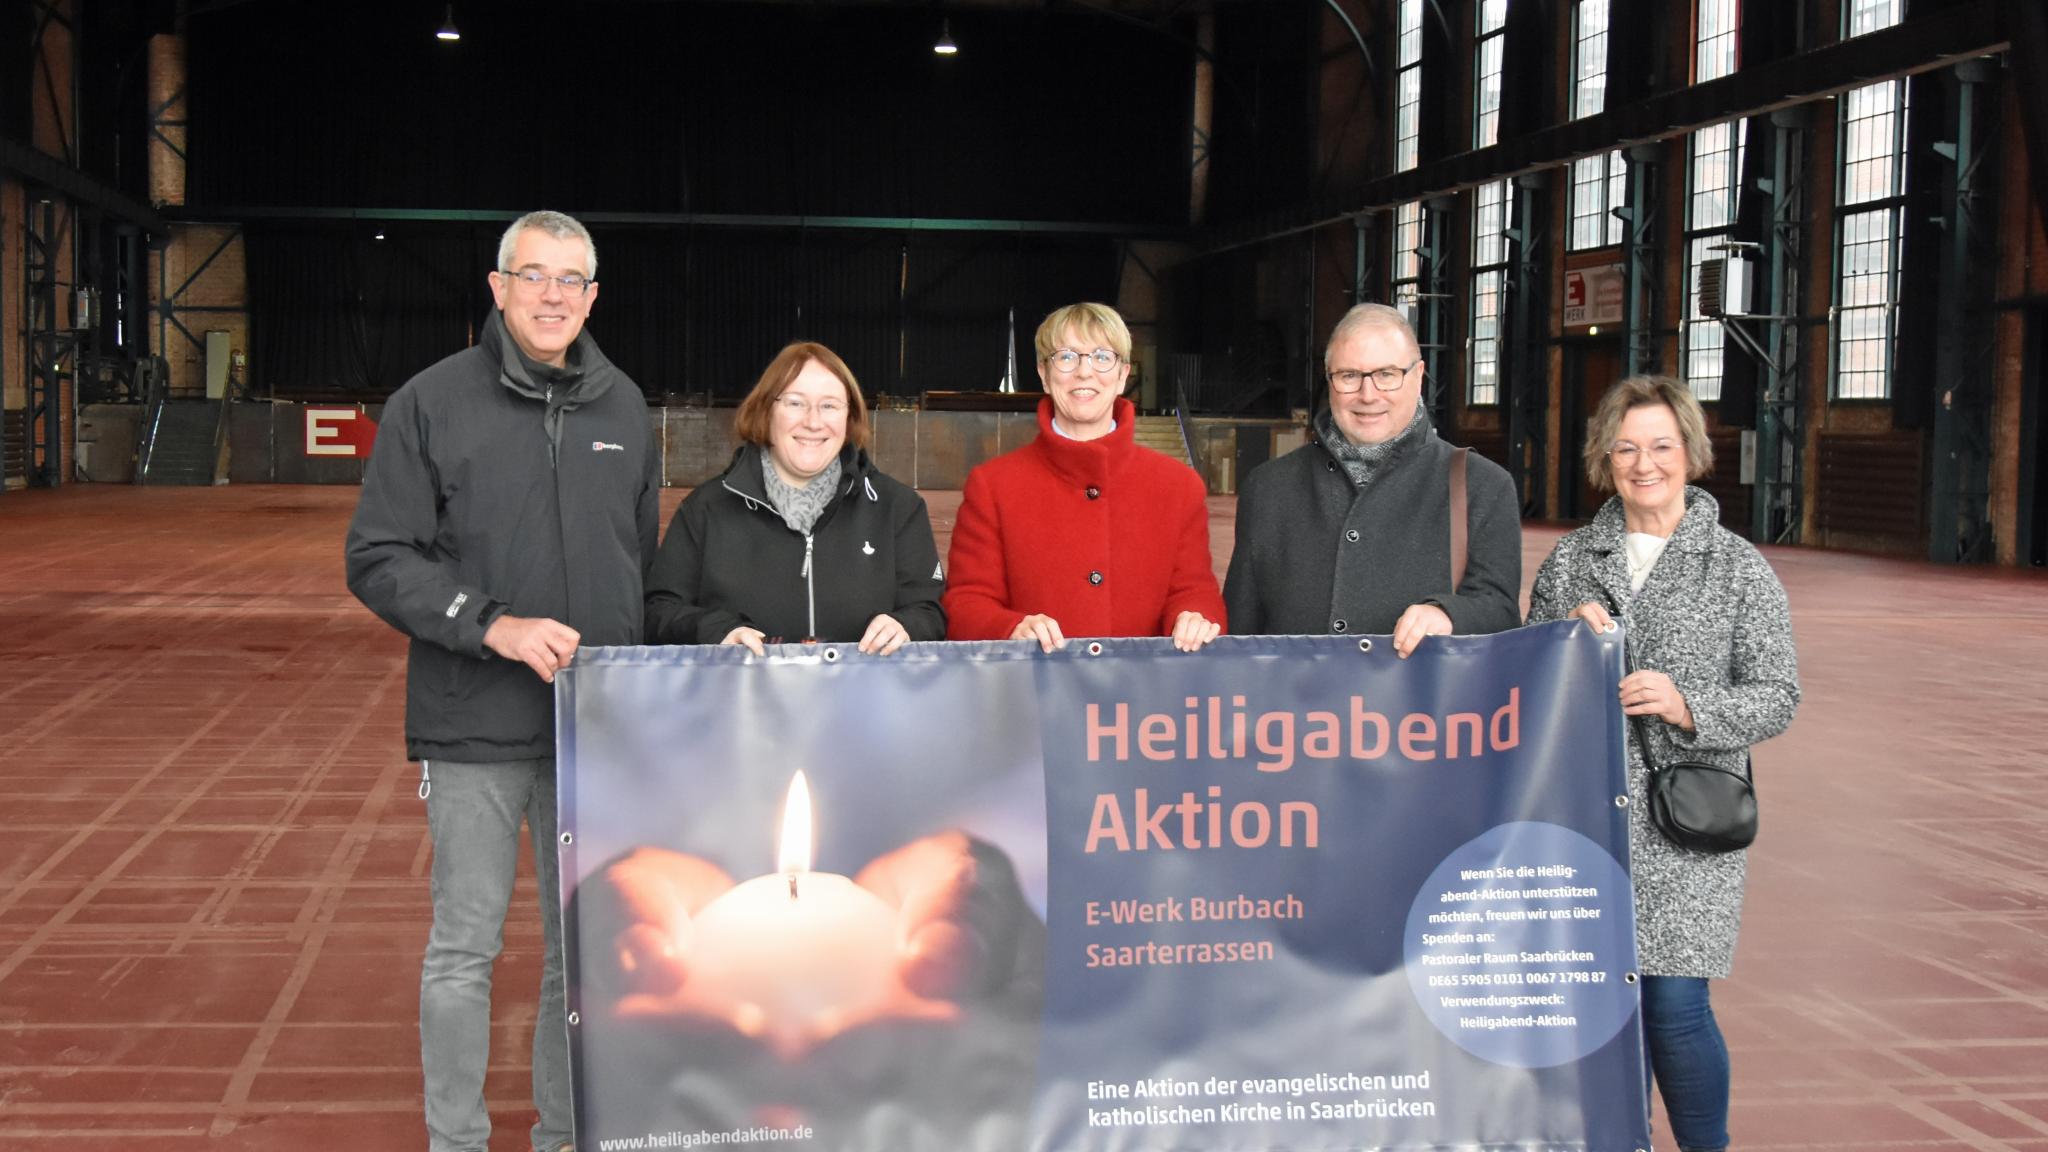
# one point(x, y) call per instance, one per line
point(798, 954)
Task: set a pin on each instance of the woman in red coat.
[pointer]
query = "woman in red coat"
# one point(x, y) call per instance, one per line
point(1082, 532)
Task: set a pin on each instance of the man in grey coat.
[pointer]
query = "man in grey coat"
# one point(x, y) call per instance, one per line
point(1351, 532)
point(507, 518)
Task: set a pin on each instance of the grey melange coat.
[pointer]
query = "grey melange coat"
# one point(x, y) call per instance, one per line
point(1712, 616)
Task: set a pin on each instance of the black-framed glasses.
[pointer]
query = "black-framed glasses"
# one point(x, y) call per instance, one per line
point(535, 280)
point(1385, 379)
point(1067, 361)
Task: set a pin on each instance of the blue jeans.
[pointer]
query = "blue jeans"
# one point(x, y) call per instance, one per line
point(473, 813)
point(1688, 1060)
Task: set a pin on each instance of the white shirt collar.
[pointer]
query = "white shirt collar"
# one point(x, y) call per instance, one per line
point(1068, 435)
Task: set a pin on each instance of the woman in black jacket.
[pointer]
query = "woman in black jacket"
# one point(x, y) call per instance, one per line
point(801, 539)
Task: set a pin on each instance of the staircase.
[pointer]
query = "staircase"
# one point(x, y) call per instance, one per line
point(183, 446)
point(1162, 434)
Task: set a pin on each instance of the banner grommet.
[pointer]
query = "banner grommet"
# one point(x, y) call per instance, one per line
point(567, 838)
point(576, 1018)
point(831, 655)
point(1621, 801)
point(1365, 643)
point(1095, 648)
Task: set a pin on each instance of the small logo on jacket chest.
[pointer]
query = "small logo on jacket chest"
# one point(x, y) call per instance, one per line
point(601, 446)
point(867, 549)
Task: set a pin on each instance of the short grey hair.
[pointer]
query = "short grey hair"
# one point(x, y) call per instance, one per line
point(1371, 316)
point(560, 225)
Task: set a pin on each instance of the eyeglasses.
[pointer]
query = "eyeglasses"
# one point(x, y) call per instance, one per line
point(1067, 361)
point(1625, 453)
point(827, 409)
point(535, 280)
point(1385, 379)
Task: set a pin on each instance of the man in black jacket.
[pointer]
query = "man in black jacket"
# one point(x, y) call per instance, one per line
point(507, 517)
point(1352, 531)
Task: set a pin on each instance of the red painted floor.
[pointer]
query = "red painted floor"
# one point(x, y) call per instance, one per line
point(213, 874)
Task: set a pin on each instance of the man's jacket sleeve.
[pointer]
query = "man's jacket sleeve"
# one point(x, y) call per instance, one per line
point(396, 565)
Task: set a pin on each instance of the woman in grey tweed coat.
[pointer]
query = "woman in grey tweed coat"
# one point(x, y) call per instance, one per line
point(1710, 645)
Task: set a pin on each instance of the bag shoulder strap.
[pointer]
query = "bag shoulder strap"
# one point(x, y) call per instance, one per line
point(1642, 731)
point(1460, 518)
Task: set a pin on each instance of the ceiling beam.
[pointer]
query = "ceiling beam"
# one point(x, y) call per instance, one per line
point(40, 168)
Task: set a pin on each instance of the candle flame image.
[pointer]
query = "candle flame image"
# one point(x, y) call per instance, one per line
point(794, 855)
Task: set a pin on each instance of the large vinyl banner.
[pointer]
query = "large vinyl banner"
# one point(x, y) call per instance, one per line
point(1286, 893)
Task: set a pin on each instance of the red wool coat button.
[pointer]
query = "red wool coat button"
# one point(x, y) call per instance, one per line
point(1095, 577)
point(1093, 491)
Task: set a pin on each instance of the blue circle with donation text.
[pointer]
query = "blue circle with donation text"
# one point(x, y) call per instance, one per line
point(1521, 946)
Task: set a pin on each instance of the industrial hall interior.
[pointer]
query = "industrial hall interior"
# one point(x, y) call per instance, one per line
point(231, 230)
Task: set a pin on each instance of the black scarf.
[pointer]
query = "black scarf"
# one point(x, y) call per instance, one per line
point(1362, 462)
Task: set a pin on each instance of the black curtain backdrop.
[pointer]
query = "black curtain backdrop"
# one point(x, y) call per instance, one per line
point(639, 317)
point(959, 298)
point(336, 314)
point(742, 296)
point(306, 316)
point(690, 107)
point(753, 111)
point(850, 301)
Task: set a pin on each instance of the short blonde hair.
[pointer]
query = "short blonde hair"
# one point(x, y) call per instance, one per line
point(754, 422)
point(1091, 321)
point(1644, 392)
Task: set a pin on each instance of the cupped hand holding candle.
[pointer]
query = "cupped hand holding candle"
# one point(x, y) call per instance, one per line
point(962, 914)
point(797, 954)
point(641, 904)
point(795, 957)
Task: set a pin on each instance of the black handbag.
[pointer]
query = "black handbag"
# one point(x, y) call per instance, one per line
point(1704, 807)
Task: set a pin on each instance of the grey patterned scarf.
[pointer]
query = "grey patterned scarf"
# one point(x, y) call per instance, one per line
point(800, 507)
point(1362, 461)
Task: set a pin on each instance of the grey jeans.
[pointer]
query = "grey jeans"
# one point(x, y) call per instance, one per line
point(473, 812)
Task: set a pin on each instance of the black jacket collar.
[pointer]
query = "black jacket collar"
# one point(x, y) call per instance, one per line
point(743, 473)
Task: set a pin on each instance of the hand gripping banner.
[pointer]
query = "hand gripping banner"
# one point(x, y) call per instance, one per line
point(1286, 893)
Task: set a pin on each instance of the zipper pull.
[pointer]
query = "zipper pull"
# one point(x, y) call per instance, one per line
point(426, 780)
point(806, 573)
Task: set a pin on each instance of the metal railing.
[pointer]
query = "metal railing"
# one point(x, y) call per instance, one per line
point(1181, 416)
point(156, 394)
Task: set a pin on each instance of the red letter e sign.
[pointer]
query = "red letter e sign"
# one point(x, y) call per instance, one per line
point(339, 432)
